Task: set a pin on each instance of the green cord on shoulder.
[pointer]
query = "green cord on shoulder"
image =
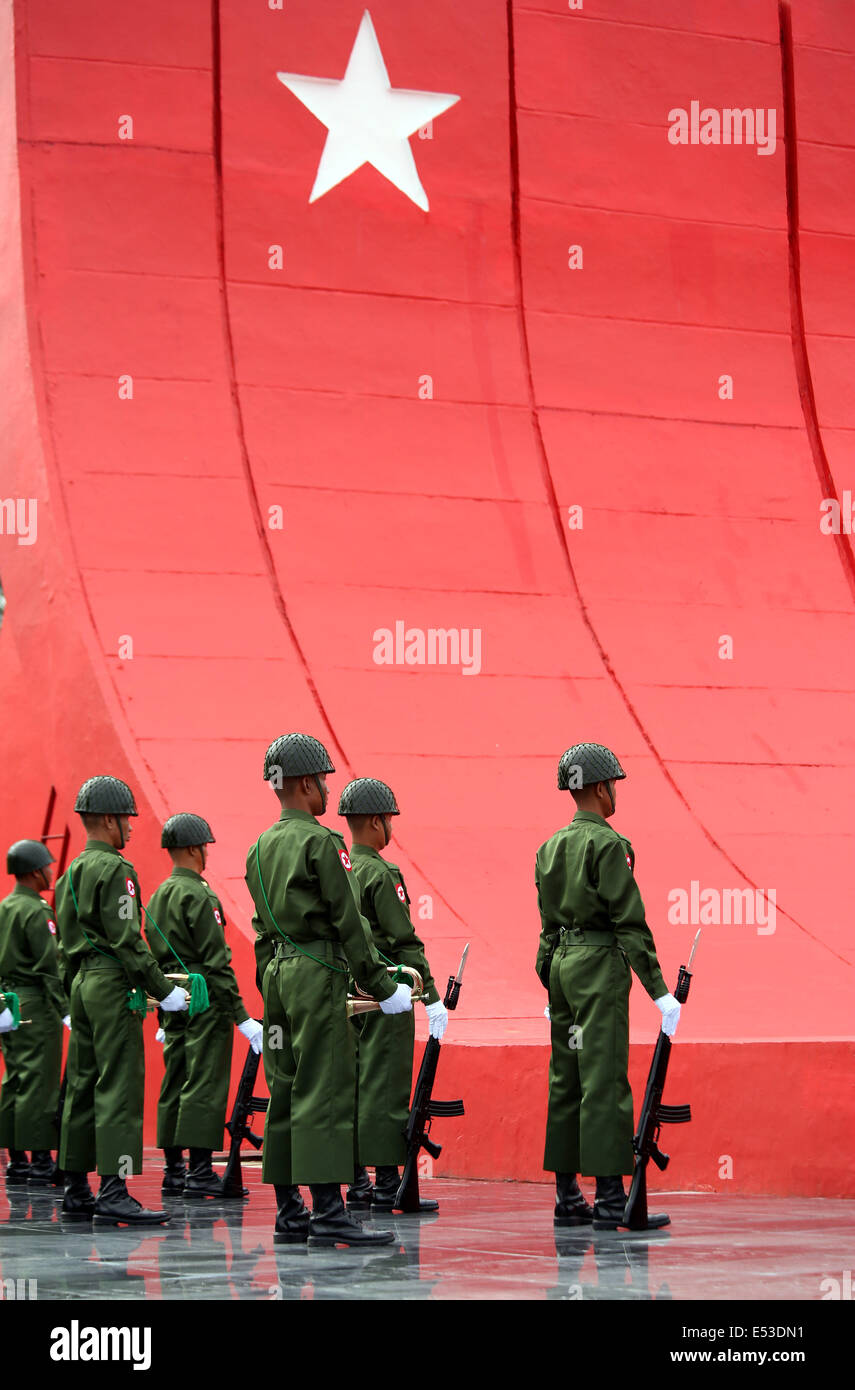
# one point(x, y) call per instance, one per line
point(136, 997)
point(337, 968)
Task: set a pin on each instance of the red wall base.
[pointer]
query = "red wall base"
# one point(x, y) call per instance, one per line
point(740, 1093)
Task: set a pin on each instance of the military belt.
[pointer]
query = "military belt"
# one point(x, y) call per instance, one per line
point(94, 962)
point(586, 936)
point(322, 946)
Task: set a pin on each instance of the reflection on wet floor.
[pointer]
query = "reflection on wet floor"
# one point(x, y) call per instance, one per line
point(490, 1240)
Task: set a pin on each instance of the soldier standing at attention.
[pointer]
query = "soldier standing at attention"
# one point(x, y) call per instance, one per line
point(593, 930)
point(111, 969)
point(299, 874)
point(33, 1054)
point(386, 1045)
point(197, 1053)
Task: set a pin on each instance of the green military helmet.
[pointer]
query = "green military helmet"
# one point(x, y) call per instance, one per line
point(367, 796)
point(106, 796)
point(26, 856)
point(296, 755)
point(594, 763)
point(184, 830)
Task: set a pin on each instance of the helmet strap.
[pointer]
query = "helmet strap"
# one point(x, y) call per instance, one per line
point(611, 795)
point(320, 792)
point(118, 820)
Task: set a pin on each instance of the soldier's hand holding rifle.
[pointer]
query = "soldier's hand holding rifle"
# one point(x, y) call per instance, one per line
point(670, 1009)
point(437, 1019)
point(253, 1031)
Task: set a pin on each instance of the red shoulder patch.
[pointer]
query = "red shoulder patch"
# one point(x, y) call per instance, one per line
point(345, 859)
point(129, 884)
point(629, 861)
point(52, 926)
point(217, 916)
point(399, 889)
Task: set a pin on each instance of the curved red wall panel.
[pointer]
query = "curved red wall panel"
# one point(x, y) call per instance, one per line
point(302, 388)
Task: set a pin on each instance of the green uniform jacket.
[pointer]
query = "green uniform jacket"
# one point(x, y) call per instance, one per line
point(386, 905)
point(28, 948)
point(308, 880)
point(192, 919)
point(584, 877)
point(108, 898)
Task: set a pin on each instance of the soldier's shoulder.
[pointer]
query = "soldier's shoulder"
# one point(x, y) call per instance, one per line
point(553, 841)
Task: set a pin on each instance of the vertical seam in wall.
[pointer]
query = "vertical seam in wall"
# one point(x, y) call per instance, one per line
point(801, 357)
point(552, 499)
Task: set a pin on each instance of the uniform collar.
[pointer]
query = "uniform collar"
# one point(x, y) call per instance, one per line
point(289, 814)
point(26, 892)
point(366, 852)
point(102, 847)
point(589, 816)
point(180, 872)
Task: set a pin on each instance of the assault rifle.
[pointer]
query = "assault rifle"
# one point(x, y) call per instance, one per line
point(239, 1125)
point(654, 1114)
point(423, 1110)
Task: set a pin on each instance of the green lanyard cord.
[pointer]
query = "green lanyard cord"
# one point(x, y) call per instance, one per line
point(199, 1000)
point(337, 968)
point(136, 999)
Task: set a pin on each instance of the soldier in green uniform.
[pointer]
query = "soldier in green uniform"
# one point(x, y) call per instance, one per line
point(185, 917)
point(593, 931)
point(300, 877)
point(33, 1054)
point(110, 970)
point(386, 1045)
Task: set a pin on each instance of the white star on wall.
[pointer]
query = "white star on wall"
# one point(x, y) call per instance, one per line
point(368, 121)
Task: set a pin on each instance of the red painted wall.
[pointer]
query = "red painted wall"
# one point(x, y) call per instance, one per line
point(553, 387)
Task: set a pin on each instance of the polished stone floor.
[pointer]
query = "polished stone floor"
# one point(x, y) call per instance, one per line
point(492, 1240)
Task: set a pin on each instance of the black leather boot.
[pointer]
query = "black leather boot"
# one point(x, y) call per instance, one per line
point(609, 1205)
point(78, 1202)
point(42, 1168)
point(114, 1206)
point(292, 1217)
point(386, 1184)
point(361, 1191)
point(201, 1179)
point(18, 1167)
point(174, 1172)
point(571, 1209)
point(330, 1224)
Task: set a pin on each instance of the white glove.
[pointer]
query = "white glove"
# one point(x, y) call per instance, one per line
point(160, 1036)
point(401, 1002)
point(67, 1022)
point(547, 1014)
point(175, 1001)
point(670, 1013)
point(253, 1032)
point(6, 1024)
point(437, 1018)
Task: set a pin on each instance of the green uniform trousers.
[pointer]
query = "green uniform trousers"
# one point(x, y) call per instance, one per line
point(310, 1067)
point(385, 1067)
point(589, 1121)
point(197, 1052)
point(30, 1091)
point(102, 1122)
